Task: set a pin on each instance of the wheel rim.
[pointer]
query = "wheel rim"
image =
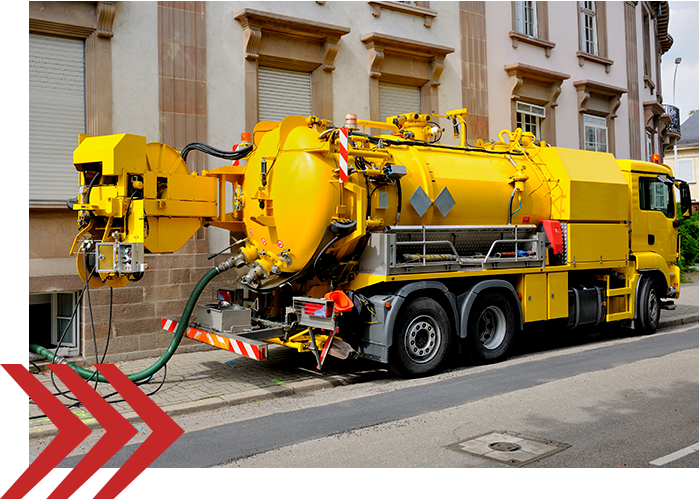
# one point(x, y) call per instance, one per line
point(491, 327)
point(422, 339)
point(653, 307)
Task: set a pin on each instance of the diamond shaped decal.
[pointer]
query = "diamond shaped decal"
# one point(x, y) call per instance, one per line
point(420, 201)
point(444, 202)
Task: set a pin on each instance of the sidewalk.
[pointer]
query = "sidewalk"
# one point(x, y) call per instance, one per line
point(205, 380)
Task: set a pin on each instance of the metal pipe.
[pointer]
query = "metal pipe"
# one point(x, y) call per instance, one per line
point(510, 206)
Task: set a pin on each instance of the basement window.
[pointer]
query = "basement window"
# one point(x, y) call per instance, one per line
point(49, 318)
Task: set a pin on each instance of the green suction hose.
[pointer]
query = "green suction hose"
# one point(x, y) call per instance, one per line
point(165, 357)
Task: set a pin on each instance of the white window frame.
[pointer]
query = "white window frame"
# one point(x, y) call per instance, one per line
point(526, 18)
point(67, 348)
point(597, 124)
point(650, 145)
point(533, 115)
point(589, 27)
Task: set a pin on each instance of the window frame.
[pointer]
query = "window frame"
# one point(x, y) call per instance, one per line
point(315, 48)
point(73, 348)
point(538, 86)
point(588, 14)
point(541, 24)
point(599, 18)
point(520, 24)
point(539, 117)
point(645, 196)
point(601, 100)
point(596, 123)
point(93, 23)
point(692, 169)
point(406, 62)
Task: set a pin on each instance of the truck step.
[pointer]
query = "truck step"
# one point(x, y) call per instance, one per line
point(253, 349)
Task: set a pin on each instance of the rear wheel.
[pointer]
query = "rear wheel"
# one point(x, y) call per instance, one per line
point(421, 338)
point(491, 327)
point(649, 307)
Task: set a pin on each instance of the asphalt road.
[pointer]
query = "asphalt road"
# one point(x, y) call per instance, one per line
point(624, 402)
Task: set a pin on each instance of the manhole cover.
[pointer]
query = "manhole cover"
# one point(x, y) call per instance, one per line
point(501, 446)
point(509, 447)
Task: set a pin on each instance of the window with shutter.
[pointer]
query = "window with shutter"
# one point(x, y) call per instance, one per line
point(685, 169)
point(282, 93)
point(56, 115)
point(397, 99)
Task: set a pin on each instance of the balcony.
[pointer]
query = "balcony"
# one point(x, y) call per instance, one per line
point(672, 133)
point(675, 114)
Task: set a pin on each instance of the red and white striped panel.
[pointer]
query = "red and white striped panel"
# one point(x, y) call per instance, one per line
point(343, 154)
point(235, 148)
point(233, 345)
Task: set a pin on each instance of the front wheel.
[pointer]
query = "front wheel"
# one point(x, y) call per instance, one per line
point(649, 307)
point(491, 327)
point(422, 339)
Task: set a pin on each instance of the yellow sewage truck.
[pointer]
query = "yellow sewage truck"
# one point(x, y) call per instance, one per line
point(376, 240)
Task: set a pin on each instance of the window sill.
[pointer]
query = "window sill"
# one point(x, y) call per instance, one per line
point(427, 14)
point(585, 56)
point(531, 40)
point(48, 205)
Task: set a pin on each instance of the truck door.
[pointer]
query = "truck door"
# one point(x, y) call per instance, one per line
point(657, 210)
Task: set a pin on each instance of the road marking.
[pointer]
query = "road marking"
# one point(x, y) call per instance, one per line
point(676, 455)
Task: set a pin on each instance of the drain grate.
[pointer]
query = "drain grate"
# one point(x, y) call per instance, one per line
point(509, 447)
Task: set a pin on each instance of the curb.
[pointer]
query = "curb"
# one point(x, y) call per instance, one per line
point(214, 402)
point(279, 391)
point(685, 320)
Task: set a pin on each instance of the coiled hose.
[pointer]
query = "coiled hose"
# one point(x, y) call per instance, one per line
point(174, 343)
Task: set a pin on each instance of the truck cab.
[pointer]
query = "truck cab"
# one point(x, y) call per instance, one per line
point(654, 239)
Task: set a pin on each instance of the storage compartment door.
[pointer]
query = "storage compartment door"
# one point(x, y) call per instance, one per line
point(557, 295)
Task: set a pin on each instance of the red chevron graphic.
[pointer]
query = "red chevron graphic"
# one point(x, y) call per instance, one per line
point(164, 432)
point(20, 479)
point(119, 432)
point(73, 432)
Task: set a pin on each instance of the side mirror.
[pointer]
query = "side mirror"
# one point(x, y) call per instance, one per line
point(686, 205)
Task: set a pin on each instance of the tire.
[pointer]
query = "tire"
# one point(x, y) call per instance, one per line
point(491, 327)
point(422, 338)
point(649, 308)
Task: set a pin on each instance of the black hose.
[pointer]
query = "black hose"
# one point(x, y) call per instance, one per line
point(205, 148)
point(318, 257)
point(398, 190)
point(95, 178)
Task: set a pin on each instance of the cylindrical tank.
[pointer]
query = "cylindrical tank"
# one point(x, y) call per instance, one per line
point(292, 192)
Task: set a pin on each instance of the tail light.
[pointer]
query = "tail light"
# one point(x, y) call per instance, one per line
point(318, 310)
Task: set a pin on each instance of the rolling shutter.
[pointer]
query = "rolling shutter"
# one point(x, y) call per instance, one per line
point(397, 99)
point(56, 115)
point(282, 93)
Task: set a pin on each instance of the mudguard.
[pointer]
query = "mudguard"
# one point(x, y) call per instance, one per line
point(466, 300)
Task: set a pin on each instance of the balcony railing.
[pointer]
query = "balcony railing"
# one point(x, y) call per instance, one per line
point(675, 114)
